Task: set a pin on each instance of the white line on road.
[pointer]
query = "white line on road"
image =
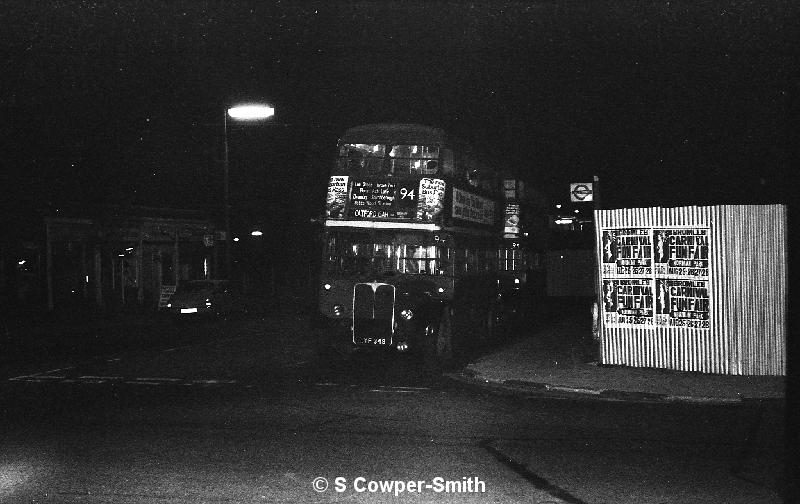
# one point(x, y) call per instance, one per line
point(577, 390)
point(403, 388)
point(182, 347)
point(58, 369)
point(694, 399)
point(96, 379)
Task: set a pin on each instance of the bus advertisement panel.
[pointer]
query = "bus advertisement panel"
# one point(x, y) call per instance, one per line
point(431, 199)
point(473, 208)
point(337, 196)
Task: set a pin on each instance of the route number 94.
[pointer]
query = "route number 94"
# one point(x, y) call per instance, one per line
point(405, 193)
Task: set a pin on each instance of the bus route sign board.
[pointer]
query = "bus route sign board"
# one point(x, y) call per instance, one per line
point(373, 200)
point(421, 200)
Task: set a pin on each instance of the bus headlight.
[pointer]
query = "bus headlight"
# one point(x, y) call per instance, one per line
point(407, 314)
point(338, 310)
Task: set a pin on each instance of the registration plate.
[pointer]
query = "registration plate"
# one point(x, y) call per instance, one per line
point(374, 341)
point(188, 310)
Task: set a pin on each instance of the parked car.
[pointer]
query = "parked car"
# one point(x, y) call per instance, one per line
point(201, 297)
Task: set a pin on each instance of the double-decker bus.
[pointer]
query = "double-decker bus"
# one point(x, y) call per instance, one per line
point(414, 247)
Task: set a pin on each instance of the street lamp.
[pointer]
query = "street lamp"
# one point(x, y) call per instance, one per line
point(245, 112)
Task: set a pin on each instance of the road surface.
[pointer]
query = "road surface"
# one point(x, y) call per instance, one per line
point(208, 422)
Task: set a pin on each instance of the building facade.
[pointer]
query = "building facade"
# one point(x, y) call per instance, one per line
point(130, 256)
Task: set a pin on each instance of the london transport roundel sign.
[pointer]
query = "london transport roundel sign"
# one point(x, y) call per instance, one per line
point(580, 191)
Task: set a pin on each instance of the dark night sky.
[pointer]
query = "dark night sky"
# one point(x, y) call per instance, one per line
point(668, 102)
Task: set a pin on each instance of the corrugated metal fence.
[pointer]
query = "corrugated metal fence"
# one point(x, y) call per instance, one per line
point(694, 288)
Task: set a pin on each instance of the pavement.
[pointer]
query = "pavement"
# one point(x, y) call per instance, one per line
point(558, 358)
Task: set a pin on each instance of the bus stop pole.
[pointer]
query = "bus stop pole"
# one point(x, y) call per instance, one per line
point(226, 196)
point(598, 284)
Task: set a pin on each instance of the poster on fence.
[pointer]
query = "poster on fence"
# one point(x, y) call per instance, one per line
point(628, 301)
point(627, 251)
point(681, 252)
point(655, 277)
point(682, 303)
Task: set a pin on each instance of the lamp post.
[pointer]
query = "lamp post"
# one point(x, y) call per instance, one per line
point(248, 112)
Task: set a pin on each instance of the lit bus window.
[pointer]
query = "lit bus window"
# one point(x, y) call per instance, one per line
point(414, 159)
point(418, 259)
point(362, 158)
point(357, 254)
point(474, 261)
point(382, 258)
point(511, 260)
